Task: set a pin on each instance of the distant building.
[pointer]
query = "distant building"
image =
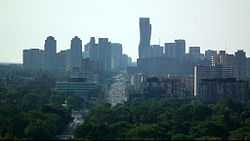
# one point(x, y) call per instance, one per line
point(213, 90)
point(126, 61)
point(222, 57)
point(108, 56)
point(211, 55)
point(180, 48)
point(63, 61)
point(93, 50)
point(105, 54)
point(210, 72)
point(170, 50)
point(156, 51)
point(168, 86)
point(116, 56)
point(33, 59)
point(164, 66)
point(176, 50)
point(50, 54)
point(145, 38)
point(76, 53)
point(240, 65)
point(88, 47)
point(76, 86)
point(248, 67)
point(90, 70)
point(195, 52)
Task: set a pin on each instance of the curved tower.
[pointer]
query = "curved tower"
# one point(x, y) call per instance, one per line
point(145, 37)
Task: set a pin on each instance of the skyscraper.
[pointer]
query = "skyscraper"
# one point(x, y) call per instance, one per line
point(180, 48)
point(76, 54)
point(145, 37)
point(50, 54)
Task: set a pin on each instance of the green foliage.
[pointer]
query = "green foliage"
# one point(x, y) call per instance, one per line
point(165, 119)
point(27, 111)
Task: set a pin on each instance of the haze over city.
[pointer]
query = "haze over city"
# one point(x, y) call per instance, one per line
point(124, 70)
point(213, 24)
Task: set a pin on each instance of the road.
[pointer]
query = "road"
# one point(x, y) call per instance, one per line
point(67, 134)
point(117, 93)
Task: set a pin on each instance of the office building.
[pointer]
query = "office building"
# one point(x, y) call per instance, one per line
point(76, 86)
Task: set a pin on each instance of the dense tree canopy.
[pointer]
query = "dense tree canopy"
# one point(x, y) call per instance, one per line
point(168, 119)
point(28, 109)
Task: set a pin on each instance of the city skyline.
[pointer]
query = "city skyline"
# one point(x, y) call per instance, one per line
point(209, 24)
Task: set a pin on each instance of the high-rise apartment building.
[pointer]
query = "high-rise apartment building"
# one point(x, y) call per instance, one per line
point(88, 47)
point(212, 56)
point(180, 48)
point(240, 65)
point(33, 59)
point(50, 54)
point(116, 56)
point(195, 52)
point(76, 54)
point(145, 38)
point(105, 54)
point(156, 51)
point(210, 72)
point(170, 50)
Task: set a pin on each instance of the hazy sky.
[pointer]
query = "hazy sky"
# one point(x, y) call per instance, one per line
point(215, 24)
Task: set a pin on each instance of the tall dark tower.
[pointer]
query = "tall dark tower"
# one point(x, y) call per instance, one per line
point(145, 38)
point(50, 54)
point(76, 54)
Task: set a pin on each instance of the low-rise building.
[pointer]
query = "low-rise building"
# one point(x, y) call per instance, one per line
point(77, 86)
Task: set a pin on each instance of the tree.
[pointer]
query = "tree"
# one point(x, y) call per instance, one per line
point(38, 130)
